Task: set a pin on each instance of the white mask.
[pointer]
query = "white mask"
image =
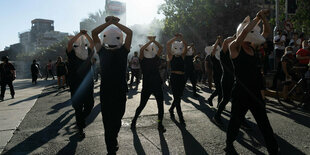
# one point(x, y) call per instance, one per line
point(80, 48)
point(177, 48)
point(254, 36)
point(190, 51)
point(150, 51)
point(112, 37)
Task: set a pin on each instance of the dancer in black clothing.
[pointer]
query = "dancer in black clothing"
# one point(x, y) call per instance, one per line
point(189, 68)
point(217, 72)
point(246, 92)
point(80, 77)
point(7, 76)
point(113, 64)
point(35, 70)
point(176, 53)
point(152, 82)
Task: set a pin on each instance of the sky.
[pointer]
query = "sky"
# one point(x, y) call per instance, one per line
point(16, 15)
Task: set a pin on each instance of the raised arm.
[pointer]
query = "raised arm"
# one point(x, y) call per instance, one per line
point(246, 30)
point(160, 48)
point(91, 42)
point(141, 56)
point(128, 33)
point(71, 41)
point(95, 32)
point(266, 26)
point(168, 46)
point(217, 42)
point(184, 44)
point(226, 43)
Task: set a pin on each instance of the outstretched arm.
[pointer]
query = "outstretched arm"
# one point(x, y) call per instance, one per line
point(95, 32)
point(128, 33)
point(168, 46)
point(143, 48)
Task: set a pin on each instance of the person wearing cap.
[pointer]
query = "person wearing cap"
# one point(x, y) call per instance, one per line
point(8, 75)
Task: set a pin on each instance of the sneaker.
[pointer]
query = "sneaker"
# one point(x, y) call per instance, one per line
point(230, 150)
point(161, 128)
point(210, 102)
point(217, 121)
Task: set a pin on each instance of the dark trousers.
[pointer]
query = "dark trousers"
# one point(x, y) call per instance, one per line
point(113, 104)
point(218, 89)
point(177, 86)
point(3, 87)
point(241, 103)
point(145, 95)
point(49, 71)
point(192, 77)
point(82, 110)
point(226, 87)
point(34, 78)
point(135, 73)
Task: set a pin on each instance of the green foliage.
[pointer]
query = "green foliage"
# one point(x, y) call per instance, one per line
point(94, 20)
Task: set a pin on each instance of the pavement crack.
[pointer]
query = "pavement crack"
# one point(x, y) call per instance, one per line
point(150, 141)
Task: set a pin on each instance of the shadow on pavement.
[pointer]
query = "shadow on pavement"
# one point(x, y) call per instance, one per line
point(137, 143)
point(33, 97)
point(191, 145)
point(163, 144)
point(59, 106)
point(132, 92)
point(43, 136)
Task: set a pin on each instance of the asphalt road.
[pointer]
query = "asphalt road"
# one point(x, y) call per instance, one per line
point(49, 128)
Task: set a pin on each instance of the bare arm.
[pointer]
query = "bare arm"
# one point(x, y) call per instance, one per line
point(128, 33)
point(71, 41)
point(215, 45)
point(246, 30)
point(226, 43)
point(160, 48)
point(143, 48)
point(169, 43)
point(95, 32)
point(266, 26)
point(184, 44)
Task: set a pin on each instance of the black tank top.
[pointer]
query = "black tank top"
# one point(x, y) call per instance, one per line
point(217, 69)
point(246, 71)
point(226, 63)
point(189, 65)
point(177, 64)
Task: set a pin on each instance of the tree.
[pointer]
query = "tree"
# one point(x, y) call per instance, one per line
point(93, 21)
point(200, 21)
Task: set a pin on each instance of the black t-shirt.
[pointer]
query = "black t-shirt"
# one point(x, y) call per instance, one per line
point(78, 68)
point(34, 68)
point(113, 65)
point(177, 63)
point(6, 72)
point(150, 71)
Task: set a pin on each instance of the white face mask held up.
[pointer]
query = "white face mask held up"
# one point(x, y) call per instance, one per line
point(80, 48)
point(112, 38)
point(177, 48)
point(150, 51)
point(254, 36)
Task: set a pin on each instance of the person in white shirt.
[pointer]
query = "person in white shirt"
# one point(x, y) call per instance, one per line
point(279, 45)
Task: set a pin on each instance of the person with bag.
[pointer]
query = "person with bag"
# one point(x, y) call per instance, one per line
point(8, 75)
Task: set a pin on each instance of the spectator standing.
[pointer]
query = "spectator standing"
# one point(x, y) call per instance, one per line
point(8, 75)
point(279, 45)
point(49, 69)
point(35, 67)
